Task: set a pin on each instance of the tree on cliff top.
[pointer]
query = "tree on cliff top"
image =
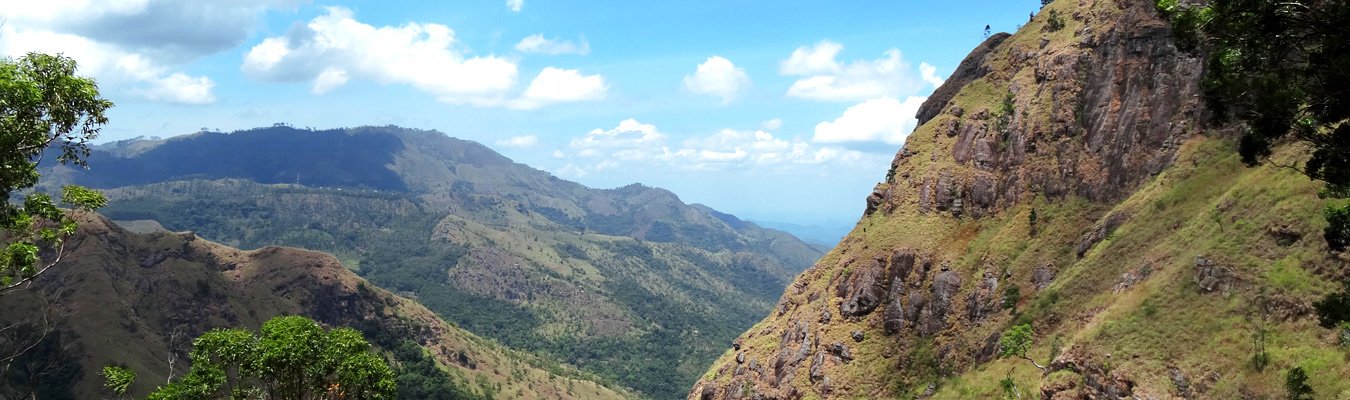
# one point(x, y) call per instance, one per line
point(43, 105)
point(1282, 69)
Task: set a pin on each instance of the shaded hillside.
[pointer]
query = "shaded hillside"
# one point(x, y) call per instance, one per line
point(631, 282)
point(1070, 185)
point(139, 299)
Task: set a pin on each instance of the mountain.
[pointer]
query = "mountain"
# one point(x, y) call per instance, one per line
point(1065, 177)
point(630, 283)
point(138, 299)
point(821, 235)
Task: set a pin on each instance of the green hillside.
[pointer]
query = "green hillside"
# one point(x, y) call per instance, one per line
point(138, 299)
point(630, 283)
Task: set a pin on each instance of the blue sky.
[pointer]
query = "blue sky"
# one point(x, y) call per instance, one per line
point(772, 110)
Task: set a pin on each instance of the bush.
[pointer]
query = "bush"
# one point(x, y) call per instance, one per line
point(1296, 384)
point(1334, 309)
point(1337, 232)
point(1055, 21)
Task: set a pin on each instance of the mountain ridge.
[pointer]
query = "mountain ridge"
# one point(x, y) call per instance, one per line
point(608, 279)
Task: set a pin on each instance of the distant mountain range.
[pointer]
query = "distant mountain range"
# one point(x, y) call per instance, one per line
point(819, 235)
point(630, 283)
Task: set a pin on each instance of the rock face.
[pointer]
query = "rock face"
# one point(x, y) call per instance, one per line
point(1211, 276)
point(1090, 112)
point(1098, 117)
point(971, 68)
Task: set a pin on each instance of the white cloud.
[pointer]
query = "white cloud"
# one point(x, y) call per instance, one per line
point(167, 31)
point(772, 124)
point(136, 45)
point(823, 77)
point(539, 44)
point(329, 79)
point(111, 64)
point(636, 144)
point(519, 141)
point(335, 47)
point(629, 134)
point(180, 88)
point(717, 76)
point(554, 85)
point(515, 5)
point(930, 75)
point(882, 119)
point(813, 60)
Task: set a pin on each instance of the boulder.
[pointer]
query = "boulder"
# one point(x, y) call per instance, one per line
point(1210, 276)
point(1042, 276)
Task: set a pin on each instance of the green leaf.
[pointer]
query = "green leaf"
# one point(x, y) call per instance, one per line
point(118, 379)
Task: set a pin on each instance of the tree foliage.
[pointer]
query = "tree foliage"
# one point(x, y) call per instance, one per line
point(1016, 341)
point(117, 379)
point(1296, 385)
point(44, 108)
point(1282, 69)
point(291, 357)
point(1334, 309)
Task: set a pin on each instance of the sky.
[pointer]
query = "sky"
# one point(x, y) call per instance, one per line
point(786, 110)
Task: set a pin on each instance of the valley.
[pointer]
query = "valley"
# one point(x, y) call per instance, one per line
point(629, 283)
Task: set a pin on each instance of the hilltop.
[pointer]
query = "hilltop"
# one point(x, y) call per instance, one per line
point(1064, 177)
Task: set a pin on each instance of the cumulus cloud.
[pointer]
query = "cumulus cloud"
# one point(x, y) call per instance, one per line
point(638, 144)
point(717, 76)
point(335, 47)
point(821, 76)
point(772, 124)
point(554, 85)
point(629, 134)
point(515, 5)
point(538, 44)
point(882, 119)
point(519, 141)
point(136, 44)
point(930, 75)
point(142, 75)
point(164, 30)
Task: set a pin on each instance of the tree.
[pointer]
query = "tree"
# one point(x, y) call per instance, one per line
point(1282, 69)
point(1296, 385)
point(291, 357)
point(44, 107)
point(1334, 309)
point(1016, 341)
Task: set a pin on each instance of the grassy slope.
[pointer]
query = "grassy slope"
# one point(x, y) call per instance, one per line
point(122, 311)
point(1206, 204)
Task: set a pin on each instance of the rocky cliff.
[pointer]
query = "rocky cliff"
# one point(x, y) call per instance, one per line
point(1062, 178)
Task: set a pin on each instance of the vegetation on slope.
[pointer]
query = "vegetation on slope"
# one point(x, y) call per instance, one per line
point(1130, 249)
point(630, 282)
point(115, 285)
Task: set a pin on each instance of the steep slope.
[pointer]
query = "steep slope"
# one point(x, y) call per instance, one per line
point(1067, 182)
point(139, 299)
point(631, 282)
